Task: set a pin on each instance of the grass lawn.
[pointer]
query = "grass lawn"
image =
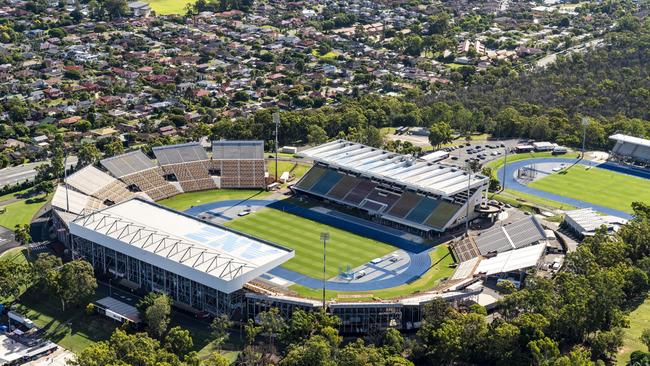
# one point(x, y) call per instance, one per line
point(440, 258)
point(184, 201)
point(286, 166)
point(639, 320)
point(21, 211)
point(521, 200)
point(598, 186)
point(166, 7)
point(303, 235)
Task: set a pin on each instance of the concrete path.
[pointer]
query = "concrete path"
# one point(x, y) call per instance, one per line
point(512, 183)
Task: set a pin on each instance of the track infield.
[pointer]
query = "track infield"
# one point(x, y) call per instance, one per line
point(598, 186)
point(303, 235)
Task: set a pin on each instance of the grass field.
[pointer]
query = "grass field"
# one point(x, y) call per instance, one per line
point(303, 235)
point(639, 320)
point(440, 269)
point(167, 7)
point(286, 166)
point(184, 201)
point(597, 186)
point(20, 211)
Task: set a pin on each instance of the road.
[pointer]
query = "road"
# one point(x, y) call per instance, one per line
point(13, 175)
point(549, 59)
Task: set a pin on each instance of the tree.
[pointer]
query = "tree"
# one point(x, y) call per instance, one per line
point(43, 264)
point(113, 148)
point(216, 359)
point(157, 315)
point(219, 329)
point(127, 349)
point(316, 351)
point(272, 323)
point(73, 283)
point(88, 154)
point(251, 331)
point(179, 341)
point(14, 276)
point(23, 236)
point(316, 135)
point(645, 338)
point(46, 187)
point(440, 133)
point(116, 8)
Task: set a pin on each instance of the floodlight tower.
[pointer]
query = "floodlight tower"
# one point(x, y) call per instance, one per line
point(324, 236)
point(276, 120)
point(585, 123)
point(469, 184)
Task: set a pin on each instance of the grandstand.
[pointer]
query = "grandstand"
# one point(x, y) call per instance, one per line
point(71, 201)
point(519, 234)
point(239, 164)
point(141, 174)
point(630, 149)
point(188, 164)
point(93, 182)
point(398, 190)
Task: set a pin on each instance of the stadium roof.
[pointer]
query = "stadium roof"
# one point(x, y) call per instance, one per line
point(630, 139)
point(214, 256)
point(74, 202)
point(129, 163)
point(512, 260)
point(586, 221)
point(237, 150)
point(181, 153)
point(89, 180)
point(515, 235)
point(438, 179)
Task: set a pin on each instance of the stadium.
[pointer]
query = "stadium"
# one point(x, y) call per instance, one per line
point(389, 222)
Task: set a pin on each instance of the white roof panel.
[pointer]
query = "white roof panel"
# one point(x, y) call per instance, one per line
point(203, 252)
point(393, 167)
point(89, 180)
point(630, 139)
point(512, 260)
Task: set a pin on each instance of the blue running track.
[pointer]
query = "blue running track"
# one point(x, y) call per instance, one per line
point(512, 183)
point(420, 261)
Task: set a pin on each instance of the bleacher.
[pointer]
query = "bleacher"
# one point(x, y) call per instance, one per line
point(398, 190)
point(189, 163)
point(94, 182)
point(240, 164)
point(630, 149)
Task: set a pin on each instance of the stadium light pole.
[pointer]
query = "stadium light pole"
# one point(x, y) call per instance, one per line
point(276, 120)
point(585, 122)
point(469, 183)
point(324, 236)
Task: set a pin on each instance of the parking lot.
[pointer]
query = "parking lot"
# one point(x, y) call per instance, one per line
point(483, 151)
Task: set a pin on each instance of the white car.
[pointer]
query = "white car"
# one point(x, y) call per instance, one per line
point(376, 261)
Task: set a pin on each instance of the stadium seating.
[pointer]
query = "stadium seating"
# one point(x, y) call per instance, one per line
point(343, 187)
point(422, 210)
point(192, 176)
point(407, 202)
point(359, 192)
point(240, 173)
point(442, 214)
point(312, 176)
point(387, 199)
point(152, 183)
point(115, 192)
point(326, 182)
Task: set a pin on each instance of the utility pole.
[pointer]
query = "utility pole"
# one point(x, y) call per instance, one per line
point(276, 120)
point(469, 183)
point(324, 236)
point(65, 178)
point(585, 122)
point(505, 167)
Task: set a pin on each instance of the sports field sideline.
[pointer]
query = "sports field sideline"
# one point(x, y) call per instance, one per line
point(303, 235)
point(598, 186)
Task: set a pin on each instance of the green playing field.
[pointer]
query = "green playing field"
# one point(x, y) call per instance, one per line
point(303, 236)
point(598, 186)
